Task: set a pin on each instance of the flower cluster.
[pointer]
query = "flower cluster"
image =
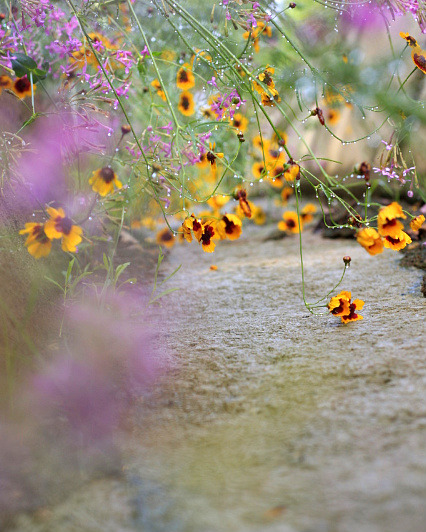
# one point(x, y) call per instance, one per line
point(389, 233)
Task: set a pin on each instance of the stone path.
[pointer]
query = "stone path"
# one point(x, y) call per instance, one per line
point(271, 419)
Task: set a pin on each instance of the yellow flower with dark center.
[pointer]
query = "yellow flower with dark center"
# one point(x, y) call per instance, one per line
point(103, 181)
point(417, 222)
point(37, 242)
point(290, 223)
point(185, 78)
point(165, 238)
point(212, 155)
point(307, 212)
point(159, 89)
point(339, 305)
point(22, 87)
point(276, 176)
point(397, 242)
point(342, 306)
point(410, 40)
point(370, 240)
point(60, 226)
point(387, 222)
point(266, 78)
point(332, 116)
point(417, 54)
point(229, 226)
point(286, 192)
point(207, 113)
point(192, 224)
point(208, 235)
point(270, 98)
point(244, 204)
point(259, 170)
point(5, 83)
point(239, 121)
point(186, 104)
point(419, 58)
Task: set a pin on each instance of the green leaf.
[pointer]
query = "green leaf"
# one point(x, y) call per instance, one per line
point(24, 65)
point(54, 282)
point(169, 291)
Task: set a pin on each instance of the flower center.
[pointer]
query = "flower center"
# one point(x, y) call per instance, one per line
point(107, 174)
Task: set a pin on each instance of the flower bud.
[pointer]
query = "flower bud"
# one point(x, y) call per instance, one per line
point(347, 260)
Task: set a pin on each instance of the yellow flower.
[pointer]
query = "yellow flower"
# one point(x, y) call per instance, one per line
point(387, 222)
point(22, 87)
point(292, 172)
point(103, 181)
point(417, 54)
point(276, 176)
point(397, 242)
point(258, 170)
point(186, 104)
point(419, 58)
point(332, 116)
point(208, 235)
point(266, 78)
point(410, 40)
point(165, 238)
point(159, 89)
point(212, 155)
point(229, 227)
point(270, 98)
point(239, 121)
point(341, 306)
point(37, 242)
point(370, 240)
point(185, 78)
point(5, 83)
point(417, 222)
point(192, 224)
point(244, 204)
point(290, 223)
point(60, 226)
point(308, 210)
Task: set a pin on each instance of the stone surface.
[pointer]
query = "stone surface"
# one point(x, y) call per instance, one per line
point(271, 419)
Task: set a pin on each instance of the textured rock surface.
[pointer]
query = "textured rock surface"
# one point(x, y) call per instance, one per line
point(272, 419)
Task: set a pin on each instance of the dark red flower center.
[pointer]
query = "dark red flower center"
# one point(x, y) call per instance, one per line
point(229, 226)
point(291, 223)
point(22, 84)
point(63, 225)
point(166, 236)
point(393, 240)
point(185, 102)
point(107, 174)
point(196, 226)
point(211, 157)
point(207, 235)
point(183, 76)
point(40, 235)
